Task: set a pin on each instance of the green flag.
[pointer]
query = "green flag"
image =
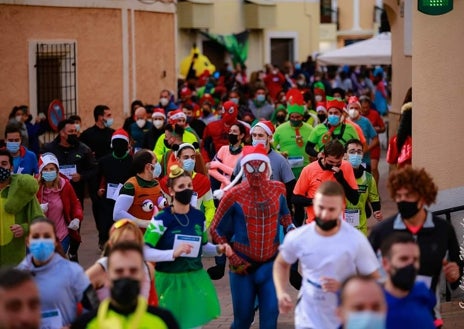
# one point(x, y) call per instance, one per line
point(235, 44)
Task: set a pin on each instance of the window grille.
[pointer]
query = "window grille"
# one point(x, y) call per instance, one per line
point(56, 76)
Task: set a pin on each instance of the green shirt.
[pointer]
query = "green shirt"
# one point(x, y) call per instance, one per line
point(343, 132)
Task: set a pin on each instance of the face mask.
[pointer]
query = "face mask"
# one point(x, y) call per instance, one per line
point(13, 147)
point(365, 320)
point(166, 144)
point(4, 174)
point(184, 196)
point(280, 118)
point(125, 291)
point(72, 139)
point(260, 98)
point(297, 66)
point(258, 141)
point(404, 277)
point(141, 123)
point(188, 165)
point(19, 118)
point(42, 249)
point(108, 122)
point(235, 100)
point(333, 119)
point(158, 123)
point(353, 113)
point(407, 209)
point(49, 176)
point(233, 139)
point(164, 101)
point(179, 130)
point(120, 147)
point(300, 83)
point(206, 112)
point(355, 160)
point(295, 123)
point(318, 98)
point(78, 127)
point(321, 117)
point(156, 170)
point(326, 225)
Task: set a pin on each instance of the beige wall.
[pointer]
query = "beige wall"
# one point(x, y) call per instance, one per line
point(98, 34)
point(303, 18)
point(437, 78)
point(228, 17)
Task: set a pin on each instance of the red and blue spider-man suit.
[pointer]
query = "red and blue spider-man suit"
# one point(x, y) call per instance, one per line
point(248, 219)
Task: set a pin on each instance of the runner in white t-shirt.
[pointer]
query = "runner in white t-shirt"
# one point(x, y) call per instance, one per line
point(329, 251)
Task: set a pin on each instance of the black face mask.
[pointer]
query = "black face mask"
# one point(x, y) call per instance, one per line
point(184, 196)
point(72, 139)
point(407, 209)
point(280, 118)
point(125, 291)
point(206, 113)
point(326, 225)
point(4, 174)
point(404, 277)
point(321, 117)
point(295, 123)
point(179, 130)
point(167, 144)
point(120, 147)
point(233, 139)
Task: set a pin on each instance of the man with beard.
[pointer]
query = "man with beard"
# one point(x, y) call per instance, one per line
point(248, 219)
point(125, 306)
point(409, 303)
point(413, 189)
point(77, 162)
point(329, 251)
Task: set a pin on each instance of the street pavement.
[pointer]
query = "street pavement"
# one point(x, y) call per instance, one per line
point(89, 253)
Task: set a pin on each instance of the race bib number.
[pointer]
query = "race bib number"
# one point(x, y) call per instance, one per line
point(352, 217)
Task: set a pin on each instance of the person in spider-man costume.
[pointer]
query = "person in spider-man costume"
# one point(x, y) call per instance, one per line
point(248, 218)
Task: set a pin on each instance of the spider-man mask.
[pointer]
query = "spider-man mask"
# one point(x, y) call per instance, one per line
point(256, 171)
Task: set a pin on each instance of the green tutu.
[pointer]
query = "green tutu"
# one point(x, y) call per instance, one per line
point(190, 296)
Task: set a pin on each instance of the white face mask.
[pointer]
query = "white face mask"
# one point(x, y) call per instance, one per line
point(158, 123)
point(164, 101)
point(353, 113)
point(141, 123)
point(318, 98)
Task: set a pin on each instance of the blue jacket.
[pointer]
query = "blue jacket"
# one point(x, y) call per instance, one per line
point(26, 162)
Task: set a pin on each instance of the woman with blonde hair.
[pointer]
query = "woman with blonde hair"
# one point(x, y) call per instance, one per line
point(122, 230)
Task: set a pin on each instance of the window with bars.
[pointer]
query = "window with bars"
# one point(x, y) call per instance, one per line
point(56, 76)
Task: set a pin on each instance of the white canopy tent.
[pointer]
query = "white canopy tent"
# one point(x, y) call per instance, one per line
point(373, 51)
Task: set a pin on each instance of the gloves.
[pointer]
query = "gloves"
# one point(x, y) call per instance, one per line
point(44, 207)
point(74, 224)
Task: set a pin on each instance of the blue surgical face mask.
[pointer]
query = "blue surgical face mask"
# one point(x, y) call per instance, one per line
point(365, 320)
point(333, 119)
point(109, 122)
point(235, 100)
point(78, 127)
point(49, 176)
point(13, 147)
point(355, 160)
point(260, 98)
point(258, 141)
point(42, 249)
point(188, 165)
point(156, 170)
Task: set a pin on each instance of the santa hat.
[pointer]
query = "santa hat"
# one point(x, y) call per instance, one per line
point(175, 115)
point(335, 103)
point(250, 153)
point(119, 134)
point(266, 125)
point(185, 92)
point(46, 159)
point(158, 112)
point(321, 107)
point(207, 98)
point(354, 100)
